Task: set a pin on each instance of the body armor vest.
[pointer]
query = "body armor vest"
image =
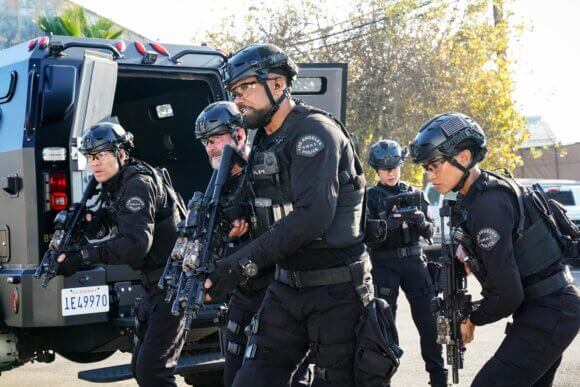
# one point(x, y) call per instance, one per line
point(269, 173)
point(167, 204)
point(536, 245)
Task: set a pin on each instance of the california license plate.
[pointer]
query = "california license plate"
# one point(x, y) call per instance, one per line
point(88, 300)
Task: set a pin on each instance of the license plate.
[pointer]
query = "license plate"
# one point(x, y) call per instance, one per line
point(88, 300)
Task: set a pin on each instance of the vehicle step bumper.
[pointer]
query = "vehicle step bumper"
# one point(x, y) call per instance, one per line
point(203, 362)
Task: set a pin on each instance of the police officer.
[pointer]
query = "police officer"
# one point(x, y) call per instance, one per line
point(138, 212)
point(519, 261)
point(309, 191)
point(399, 261)
point(220, 124)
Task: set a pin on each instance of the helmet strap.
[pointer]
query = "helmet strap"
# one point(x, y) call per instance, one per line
point(466, 170)
point(275, 103)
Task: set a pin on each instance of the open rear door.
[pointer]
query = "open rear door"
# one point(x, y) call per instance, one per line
point(96, 92)
point(323, 85)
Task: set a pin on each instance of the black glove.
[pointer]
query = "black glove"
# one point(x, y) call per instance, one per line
point(418, 218)
point(71, 263)
point(97, 228)
point(375, 232)
point(227, 275)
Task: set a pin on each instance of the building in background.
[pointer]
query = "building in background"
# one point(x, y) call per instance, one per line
point(555, 161)
point(17, 20)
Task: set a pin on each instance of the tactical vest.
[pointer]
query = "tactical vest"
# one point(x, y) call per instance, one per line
point(167, 203)
point(536, 245)
point(269, 173)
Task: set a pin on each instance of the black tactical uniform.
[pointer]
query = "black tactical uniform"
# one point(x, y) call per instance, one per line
point(521, 269)
point(139, 214)
point(306, 182)
point(399, 261)
point(220, 118)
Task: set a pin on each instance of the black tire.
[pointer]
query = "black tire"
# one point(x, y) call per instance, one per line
point(86, 357)
point(206, 379)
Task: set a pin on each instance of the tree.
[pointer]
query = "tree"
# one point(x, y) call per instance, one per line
point(73, 22)
point(408, 60)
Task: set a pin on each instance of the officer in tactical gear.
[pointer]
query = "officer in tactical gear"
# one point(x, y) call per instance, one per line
point(137, 214)
point(399, 261)
point(520, 263)
point(308, 196)
point(220, 124)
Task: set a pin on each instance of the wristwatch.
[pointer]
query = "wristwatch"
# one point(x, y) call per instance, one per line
point(249, 267)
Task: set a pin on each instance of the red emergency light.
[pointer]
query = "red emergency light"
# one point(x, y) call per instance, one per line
point(159, 48)
point(32, 44)
point(43, 42)
point(120, 45)
point(140, 48)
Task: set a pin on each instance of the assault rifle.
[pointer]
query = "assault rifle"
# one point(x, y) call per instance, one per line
point(202, 241)
point(67, 235)
point(455, 303)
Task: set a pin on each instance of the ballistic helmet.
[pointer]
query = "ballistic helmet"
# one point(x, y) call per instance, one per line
point(105, 136)
point(258, 60)
point(386, 154)
point(446, 135)
point(217, 118)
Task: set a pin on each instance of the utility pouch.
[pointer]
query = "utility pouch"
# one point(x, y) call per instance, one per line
point(377, 352)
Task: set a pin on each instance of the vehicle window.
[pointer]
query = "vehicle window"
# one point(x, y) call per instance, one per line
point(433, 196)
point(309, 85)
point(566, 198)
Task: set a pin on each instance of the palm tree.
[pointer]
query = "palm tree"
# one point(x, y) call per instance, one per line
point(73, 22)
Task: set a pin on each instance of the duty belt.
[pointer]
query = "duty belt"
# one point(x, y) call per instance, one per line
point(400, 253)
point(549, 285)
point(303, 279)
point(354, 272)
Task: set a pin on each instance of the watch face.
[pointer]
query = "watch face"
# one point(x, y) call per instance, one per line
point(251, 269)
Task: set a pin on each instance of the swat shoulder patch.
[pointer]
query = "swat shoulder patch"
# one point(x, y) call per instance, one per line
point(487, 238)
point(309, 145)
point(135, 204)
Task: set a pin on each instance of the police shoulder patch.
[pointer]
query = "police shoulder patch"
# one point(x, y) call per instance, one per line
point(309, 145)
point(487, 238)
point(135, 204)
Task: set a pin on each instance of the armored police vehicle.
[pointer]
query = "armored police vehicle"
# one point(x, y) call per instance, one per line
point(51, 90)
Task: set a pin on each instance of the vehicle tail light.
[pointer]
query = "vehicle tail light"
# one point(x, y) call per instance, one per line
point(15, 300)
point(57, 182)
point(57, 187)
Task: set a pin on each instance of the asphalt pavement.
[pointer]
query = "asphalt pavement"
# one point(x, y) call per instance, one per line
point(412, 372)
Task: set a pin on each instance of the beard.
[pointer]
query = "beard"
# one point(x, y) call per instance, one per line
point(253, 118)
point(215, 161)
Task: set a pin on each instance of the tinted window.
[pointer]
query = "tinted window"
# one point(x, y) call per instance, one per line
point(565, 198)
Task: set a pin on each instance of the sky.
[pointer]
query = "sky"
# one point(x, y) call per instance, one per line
point(546, 56)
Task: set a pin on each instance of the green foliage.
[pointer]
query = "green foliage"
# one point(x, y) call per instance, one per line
point(408, 61)
point(73, 22)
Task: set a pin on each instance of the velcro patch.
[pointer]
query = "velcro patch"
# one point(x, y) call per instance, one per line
point(135, 204)
point(487, 238)
point(309, 145)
